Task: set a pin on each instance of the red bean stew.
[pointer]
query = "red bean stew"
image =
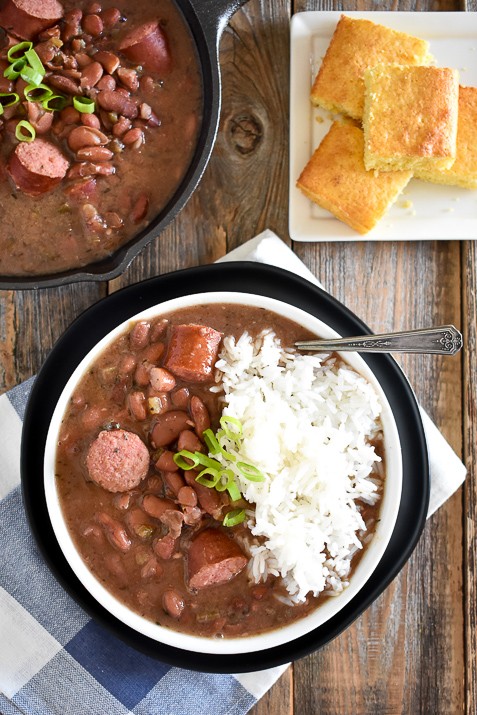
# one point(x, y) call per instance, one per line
point(148, 531)
point(100, 107)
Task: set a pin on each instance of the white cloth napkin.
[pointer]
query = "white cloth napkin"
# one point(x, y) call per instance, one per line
point(446, 470)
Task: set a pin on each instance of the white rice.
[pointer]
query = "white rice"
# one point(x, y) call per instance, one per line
point(307, 425)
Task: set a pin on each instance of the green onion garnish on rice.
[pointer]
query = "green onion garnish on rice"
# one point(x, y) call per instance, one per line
point(221, 473)
point(234, 517)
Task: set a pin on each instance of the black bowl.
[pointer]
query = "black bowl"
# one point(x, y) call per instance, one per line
point(242, 277)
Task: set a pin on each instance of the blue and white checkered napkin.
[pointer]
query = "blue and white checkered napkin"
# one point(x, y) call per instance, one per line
point(55, 660)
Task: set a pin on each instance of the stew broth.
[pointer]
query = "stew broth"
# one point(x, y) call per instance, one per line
point(157, 587)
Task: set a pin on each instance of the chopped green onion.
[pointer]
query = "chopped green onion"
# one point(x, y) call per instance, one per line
point(35, 62)
point(55, 103)
point(37, 93)
point(13, 71)
point(226, 478)
point(84, 105)
point(250, 472)
point(24, 126)
point(31, 76)
point(211, 441)
point(234, 517)
point(181, 457)
point(202, 478)
point(5, 102)
point(17, 51)
point(233, 434)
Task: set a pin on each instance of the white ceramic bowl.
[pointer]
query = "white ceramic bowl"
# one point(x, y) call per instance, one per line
point(331, 606)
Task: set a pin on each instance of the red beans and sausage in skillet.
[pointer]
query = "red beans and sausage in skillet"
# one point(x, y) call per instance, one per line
point(100, 107)
point(169, 476)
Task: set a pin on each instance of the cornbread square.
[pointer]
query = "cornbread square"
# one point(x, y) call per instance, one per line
point(463, 171)
point(410, 117)
point(355, 46)
point(335, 179)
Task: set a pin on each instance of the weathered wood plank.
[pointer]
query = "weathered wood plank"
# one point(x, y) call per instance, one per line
point(32, 321)
point(469, 319)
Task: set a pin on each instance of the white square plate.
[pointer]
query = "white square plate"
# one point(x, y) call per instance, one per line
point(424, 210)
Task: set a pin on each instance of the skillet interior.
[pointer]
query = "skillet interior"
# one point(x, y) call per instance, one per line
point(205, 36)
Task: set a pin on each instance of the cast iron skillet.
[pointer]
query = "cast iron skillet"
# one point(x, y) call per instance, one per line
point(243, 277)
point(206, 19)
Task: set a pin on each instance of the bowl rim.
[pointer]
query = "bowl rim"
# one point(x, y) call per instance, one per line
point(246, 277)
point(330, 606)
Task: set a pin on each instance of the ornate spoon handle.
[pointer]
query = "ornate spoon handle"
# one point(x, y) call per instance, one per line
point(444, 340)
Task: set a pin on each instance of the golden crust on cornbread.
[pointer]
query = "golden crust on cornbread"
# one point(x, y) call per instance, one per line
point(335, 179)
point(410, 117)
point(463, 171)
point(355, 46)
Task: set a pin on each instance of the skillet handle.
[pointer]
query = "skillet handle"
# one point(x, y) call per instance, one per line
point(214, 15)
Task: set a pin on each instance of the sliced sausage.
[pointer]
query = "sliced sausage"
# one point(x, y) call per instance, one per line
point(192, 352)
point(27, 18)
point(213, 559)
point(37, 167)
point(117, 460)
point(147, 45)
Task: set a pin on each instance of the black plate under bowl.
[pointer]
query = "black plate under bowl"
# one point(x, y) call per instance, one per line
point(242, 277)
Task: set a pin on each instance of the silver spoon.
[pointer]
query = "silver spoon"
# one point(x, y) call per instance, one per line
point(444, 340)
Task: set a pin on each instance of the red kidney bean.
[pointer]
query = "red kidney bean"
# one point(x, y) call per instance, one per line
point(70, 115)
point(158, 402)
point(147, 84)
point(200, 415)
point(116, 101)
point(129, 78)
point(83, 59)
point(111, 16)
point(158, 329)
point(173, 603)
point(180, 398)
point(165, 547)
point(72, 73)
point(43, 124)
point(94, 153)
point(106, 168)
point(91, 75)
point(122, 500)
point(139, 335)
point(137, 405)
point(151, 568)
point(71, 27)
point(174, 481)
point(114, 531)
point(134, 138)
point(86, 136)
point(141, 376)
point(126, 365)
point(82, 190)
point(156, 506)
point(161, 379)
point(49, 33)
point(189, 440)
point(145, 111)
point(187, 496)
point(108, 60)
point(168, 427)
point(106, 83)
point(93, 25)
point(192, 515)
point(166, 462)
point(94, 7)
point(90, 120)
point(121, 127)
point(153, 353)
point(46, 51)
point(64, 84)
point(139, 210)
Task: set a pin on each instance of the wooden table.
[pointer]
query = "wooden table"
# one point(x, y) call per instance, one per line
point(414, 650)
